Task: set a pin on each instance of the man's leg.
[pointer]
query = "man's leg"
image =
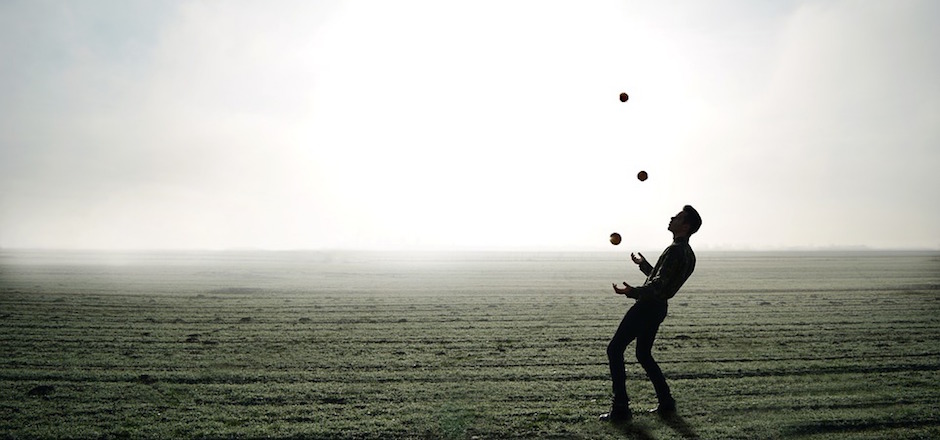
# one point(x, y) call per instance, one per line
point(644, 354)
point(626, 333)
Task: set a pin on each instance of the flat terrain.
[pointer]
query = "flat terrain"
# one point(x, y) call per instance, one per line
point(469, 346)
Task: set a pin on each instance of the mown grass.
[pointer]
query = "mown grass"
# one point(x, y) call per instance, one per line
point(482, 346)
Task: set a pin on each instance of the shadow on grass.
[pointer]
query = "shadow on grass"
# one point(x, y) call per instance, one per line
point(677, 423)
point(634, 431)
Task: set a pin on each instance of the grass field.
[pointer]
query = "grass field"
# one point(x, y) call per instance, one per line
point(468, 346)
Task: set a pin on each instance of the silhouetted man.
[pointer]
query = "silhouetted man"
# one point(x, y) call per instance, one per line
point(642, 320)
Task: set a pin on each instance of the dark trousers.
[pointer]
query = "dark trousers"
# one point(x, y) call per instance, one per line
point(641, 323)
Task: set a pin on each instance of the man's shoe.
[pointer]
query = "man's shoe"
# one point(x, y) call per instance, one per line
point(664, 410)
point(617, 414)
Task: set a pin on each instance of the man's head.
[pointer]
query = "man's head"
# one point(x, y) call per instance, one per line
point(686, 222)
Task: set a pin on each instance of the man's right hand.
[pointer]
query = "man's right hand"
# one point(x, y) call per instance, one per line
point(638, 258)
point(625, 290)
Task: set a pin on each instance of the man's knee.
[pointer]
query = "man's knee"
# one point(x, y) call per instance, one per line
point(614, 350)
point(645, 357)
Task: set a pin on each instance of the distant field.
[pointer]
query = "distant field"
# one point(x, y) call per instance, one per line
point(464, 346)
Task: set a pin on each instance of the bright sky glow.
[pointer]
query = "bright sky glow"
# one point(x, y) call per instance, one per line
point(468, 125)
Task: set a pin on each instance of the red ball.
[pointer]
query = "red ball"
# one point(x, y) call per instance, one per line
point(624, 97)
point(615, 239)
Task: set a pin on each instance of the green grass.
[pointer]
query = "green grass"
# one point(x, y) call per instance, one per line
point(510, 346)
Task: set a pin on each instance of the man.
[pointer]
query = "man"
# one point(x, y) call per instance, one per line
point(643, 319)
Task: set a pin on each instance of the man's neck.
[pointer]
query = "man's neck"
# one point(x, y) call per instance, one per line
point(678, 237)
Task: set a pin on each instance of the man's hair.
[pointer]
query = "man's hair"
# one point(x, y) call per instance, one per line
point(692, 218)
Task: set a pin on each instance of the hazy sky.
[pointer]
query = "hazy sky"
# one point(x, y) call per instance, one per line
point(468, 124)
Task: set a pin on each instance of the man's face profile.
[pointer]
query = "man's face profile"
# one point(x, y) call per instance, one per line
point(677, 224)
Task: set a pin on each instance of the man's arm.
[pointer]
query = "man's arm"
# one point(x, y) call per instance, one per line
point(666, 282)
point(645, 266)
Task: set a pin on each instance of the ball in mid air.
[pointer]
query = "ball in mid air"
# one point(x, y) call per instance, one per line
point(624, 97)
point(642, 175)
point(615, 239)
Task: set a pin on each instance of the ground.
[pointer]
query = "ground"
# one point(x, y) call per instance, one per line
point(482, 348)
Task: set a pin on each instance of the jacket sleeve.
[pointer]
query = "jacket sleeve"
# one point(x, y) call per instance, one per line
point(665, 283)
point(646, 268)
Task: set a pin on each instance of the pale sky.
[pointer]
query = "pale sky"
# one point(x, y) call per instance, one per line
point(468, 124)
